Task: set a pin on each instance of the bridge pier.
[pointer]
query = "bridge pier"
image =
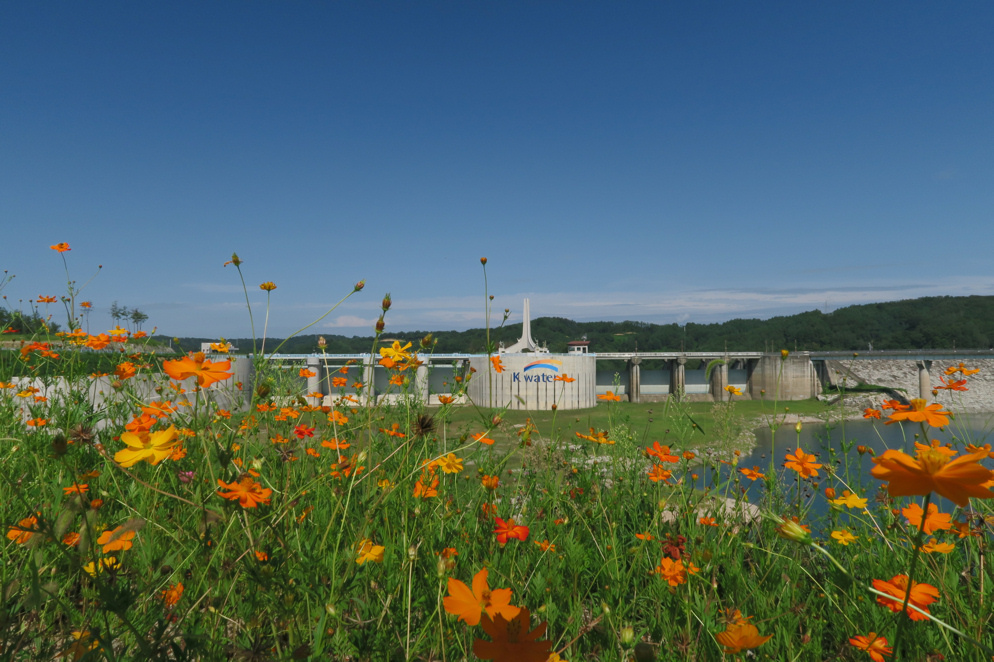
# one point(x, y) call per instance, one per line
point(719, 380)
point(678, 378)
point(924, 380)
point(314, 382)
point(634, 379)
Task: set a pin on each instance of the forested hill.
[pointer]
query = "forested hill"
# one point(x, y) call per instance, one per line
point(927, 323)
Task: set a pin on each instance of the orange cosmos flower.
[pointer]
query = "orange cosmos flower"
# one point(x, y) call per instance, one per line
point(394, 431)
point(490, 482)
point(511, 640)
point(936, 445)
point(895, 405)
point(75, 489)
point(303, 431)
point(934, 521)
point(509, 529)
point(445, 400)
point(125, 370)
point(498, 366)
point(922, 595)
point(335, 444)
point(610, 396)
point(675, 572)
point(171, 595)
point(304, 372)
point(483, 439)
point(37, 422)
point(71, 539)
point(339, 382)
point(922, 412)
point(657, 473)
point(22, 533)
point(752, 474)
point(958, 385)
point(246, 491)
point(421, 491)
point(741, 636)
point(962, 369)
point(268, 286)
point(346, 466)
point(118, 539)
point(207, 372)
point(564, 378)
point(143, 446)
point(934, 546)
point(63, 247)
point(661, 452)
point(708, 521)
point(872, 644)
point(44, 299)
point(802, 463)
point(469, 605)
point(368, 552)
point(732, 390)
point(645, 536)
point(932, 471)
point(871, 413)
point(396, 380)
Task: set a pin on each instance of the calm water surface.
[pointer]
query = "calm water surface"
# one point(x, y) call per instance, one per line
point(836, 445)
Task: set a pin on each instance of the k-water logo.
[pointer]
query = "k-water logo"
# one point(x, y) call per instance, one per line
point(552, 365)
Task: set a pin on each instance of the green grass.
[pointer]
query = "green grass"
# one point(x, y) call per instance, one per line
point(282, 580)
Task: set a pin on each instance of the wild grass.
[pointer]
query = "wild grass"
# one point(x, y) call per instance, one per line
point(348, 553)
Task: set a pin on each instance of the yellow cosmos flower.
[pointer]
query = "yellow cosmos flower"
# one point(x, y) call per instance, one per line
point(151, 447)
point(850, 500)
point(843, 537)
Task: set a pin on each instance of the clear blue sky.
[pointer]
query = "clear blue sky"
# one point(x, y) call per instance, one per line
point(656, 161)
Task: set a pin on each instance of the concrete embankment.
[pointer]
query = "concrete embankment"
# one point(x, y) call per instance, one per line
point(903, 378)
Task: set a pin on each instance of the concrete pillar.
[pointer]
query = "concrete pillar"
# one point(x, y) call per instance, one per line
point(719, 380)
point(421, 382)
point(368, 375)
point(924, 380)
point(243, 372)
point(314, 382)
point(678, 380)
point(634, 379)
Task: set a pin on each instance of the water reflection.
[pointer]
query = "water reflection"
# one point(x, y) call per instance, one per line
point(836, 445)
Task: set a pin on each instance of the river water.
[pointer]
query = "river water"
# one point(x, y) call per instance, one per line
point(836, 445)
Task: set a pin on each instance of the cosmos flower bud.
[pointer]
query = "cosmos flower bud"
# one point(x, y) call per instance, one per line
point(784, 353)
point(427, 341)
point(322, 343)
point(235, 260)
point(483, 261)
point(792, 530)
point(627, 635)
point(386, 302)
point(358, 286)
point(797, 427)
point(380, 325)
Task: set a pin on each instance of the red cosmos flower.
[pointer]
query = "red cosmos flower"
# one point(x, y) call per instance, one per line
point(303, 431)
point(509, 529)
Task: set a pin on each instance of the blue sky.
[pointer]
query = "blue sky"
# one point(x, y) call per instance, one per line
point(655, 161)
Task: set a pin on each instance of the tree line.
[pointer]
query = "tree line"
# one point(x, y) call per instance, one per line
point(925, 323)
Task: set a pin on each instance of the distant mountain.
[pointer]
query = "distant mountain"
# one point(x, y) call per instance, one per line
point(926, 323)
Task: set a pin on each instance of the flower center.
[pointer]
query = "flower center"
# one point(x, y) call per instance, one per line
point(918, 404)
point(932, 461)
